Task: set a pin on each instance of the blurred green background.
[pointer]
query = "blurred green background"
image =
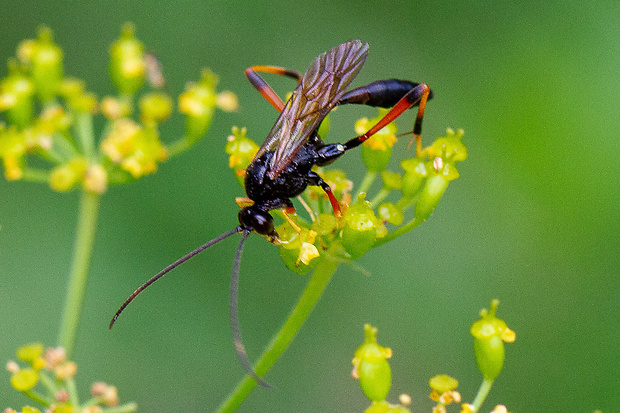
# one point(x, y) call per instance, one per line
point(533, 220)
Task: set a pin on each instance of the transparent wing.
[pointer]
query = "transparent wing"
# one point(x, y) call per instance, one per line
point(317, 93)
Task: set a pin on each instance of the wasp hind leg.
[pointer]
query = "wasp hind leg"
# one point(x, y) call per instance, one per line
point(386, 93)
point(263, 87)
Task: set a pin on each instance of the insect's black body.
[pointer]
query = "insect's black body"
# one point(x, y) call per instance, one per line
point(268, 193)
point(282, 167)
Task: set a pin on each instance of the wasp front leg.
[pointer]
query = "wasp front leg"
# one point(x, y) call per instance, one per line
point(316, 180)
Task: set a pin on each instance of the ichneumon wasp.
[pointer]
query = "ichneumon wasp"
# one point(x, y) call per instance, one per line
point(282, 167)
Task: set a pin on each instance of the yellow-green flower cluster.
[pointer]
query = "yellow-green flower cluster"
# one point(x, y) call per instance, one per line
point(200, 100)
point(364, 221)
point(51, 116)
point(50, 370)
point(443, 391)
point(136, 148)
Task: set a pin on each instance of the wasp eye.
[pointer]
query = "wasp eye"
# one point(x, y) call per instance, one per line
point(257, 220)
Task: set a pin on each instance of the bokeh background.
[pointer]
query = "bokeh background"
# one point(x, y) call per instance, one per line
point(533, 220)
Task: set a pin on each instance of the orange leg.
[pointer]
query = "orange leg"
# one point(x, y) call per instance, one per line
point(416, 96)
point(263, 87)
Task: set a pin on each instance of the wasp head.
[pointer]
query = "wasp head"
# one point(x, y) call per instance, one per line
point(256, 219)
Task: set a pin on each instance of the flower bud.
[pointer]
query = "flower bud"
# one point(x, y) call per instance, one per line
point(96, 179)
point(434, 188)
point(371, 368)
point(490, 333)
point(391, 180)
point(198, 103)
point(46, 65)
point(241, 151)
point(360, 231)
point(413, 178)
point(389, 212)
point(297, 254)
point(30, 353)
point(16, 96)
point(24, 379)
point(449, 148)
point(65, 177)
point(12, 151)
point(227, 101)
point(113, 108)
point(155, 107)
point(324, 127)
point(127, 65)
point(325, 224)
point(377, 150)
point(28, 409)
point(65, 370)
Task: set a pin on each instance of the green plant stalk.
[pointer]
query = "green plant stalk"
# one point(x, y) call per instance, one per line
point(316, 285)
point(381, 195)
point(179, 146)
point(36, 175)
point(483, 392)
point(84, 131)
point(73, 393)
point(36, 397)
point(369, 178)
point(398, 232)
point(82, 252)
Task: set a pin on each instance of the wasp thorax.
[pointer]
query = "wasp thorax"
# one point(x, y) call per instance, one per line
point(257, 220)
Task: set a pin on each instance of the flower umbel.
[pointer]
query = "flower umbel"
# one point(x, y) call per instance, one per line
point(58, 394)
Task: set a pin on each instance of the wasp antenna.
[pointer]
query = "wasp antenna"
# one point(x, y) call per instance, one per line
point(170, 268)
point(242, 355)
point(400, 135)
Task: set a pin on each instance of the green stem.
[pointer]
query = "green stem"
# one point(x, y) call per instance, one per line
point(317, 283)
point(369, 178)
point(82, 251)
point(36, 175)
point(381, 195)
point(73, 393)
point(398, 232)
point(84, 131)
point(483, 392)
point(36, 397)
point(178, 146)
point(49, 384)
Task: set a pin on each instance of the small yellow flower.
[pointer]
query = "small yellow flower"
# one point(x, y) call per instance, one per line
point(96, 179)
point(227, 101)
point(308, 251)
point(66, 370)
point(25, 379)
point(467, 408)
point(508, 335)
point(12, 367)
point(106, 392)
point(500, 408)
point(65, 177)
point(30, 352)
point(113, 108)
